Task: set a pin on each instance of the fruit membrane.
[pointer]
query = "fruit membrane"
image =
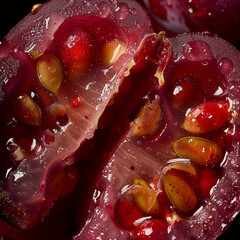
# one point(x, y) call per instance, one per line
point(59, 66)
point(195, 199)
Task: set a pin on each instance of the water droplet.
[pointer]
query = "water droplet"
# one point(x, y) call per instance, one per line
point(133, 11)
point(122, 11)
point(190, 11)
point(87, 3)
point(71, 2)
point(104, 9)
point(197, 51)
point(138, 25)
point(114, 2)
point(226, 65)
point(204, 62)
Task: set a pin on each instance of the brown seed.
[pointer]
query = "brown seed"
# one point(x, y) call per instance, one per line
point(50, 72)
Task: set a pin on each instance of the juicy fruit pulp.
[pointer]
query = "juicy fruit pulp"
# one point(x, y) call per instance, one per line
point(55, 84)
point(76, 49)
point(152, 202)
point(165, 169)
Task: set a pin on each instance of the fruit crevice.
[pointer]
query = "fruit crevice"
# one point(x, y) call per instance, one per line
point(112, 131)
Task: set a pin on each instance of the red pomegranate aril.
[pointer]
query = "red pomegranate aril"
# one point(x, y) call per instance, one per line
point(183, 93)
point(127, 213)
point(152, 229)
point(77, 101)
point(207, 117)
point(183, 84)
point(211, 80)
point(208, 181)
point(49, 139)
point(76, 49)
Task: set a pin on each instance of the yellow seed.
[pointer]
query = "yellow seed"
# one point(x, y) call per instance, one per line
point(146, 198)
point(199, 150)
point(36, 54)
point(181, 195)
point(50, 72)
point(129, 67)
point(2, 195)
point(112, 51)
point(27, 110)
point(159, 76)
point(36, 6)
point(147, 119)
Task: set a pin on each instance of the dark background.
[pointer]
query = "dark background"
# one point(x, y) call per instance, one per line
point(11, 12)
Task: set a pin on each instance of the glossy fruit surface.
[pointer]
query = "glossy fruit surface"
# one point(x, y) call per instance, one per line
point(207, 117)
point(179, 75)
point(76, 49)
